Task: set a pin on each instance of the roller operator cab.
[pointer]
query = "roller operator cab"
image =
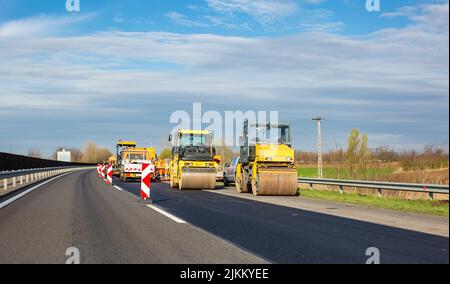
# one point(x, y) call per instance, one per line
point(266, 163)
point(193, 165)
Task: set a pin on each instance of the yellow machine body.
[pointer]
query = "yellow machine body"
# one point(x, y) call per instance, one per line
point(267, 168)
point(130, 159)
point(193, 165)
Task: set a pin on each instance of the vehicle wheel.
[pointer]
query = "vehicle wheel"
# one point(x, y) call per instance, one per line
point(254, 185)
point(225, 181)
point(238, 183)
point(180, 183)
point(172, 183)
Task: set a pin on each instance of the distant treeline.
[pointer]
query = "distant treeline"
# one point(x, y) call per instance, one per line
point(89, 154)
point(430, 157)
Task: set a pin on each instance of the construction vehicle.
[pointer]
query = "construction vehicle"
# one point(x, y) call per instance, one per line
point(113, 161)
point(166, 176)
point(266, 164)
point(130, 159)
point(193, 165)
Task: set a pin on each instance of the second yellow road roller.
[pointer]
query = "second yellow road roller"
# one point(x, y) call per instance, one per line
point(266, 165)
point(193, 165)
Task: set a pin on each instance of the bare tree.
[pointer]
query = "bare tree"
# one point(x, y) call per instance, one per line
point(357, 155)
point(90, 152)
point(34, 153)
point(165, 154)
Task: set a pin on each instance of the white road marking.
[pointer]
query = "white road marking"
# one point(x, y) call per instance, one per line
point(118, 188)
point(22, 194)
point(176, 219)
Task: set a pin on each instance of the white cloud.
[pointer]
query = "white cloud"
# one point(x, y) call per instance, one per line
point(264, 11)
point(393, 76)
point(182, 20)
point(431, 16)
point(39, 26)
point(207, 21)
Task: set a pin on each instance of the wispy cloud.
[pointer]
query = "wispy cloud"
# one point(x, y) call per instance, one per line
point(207, 21)
point(182, 20)
point(42, 25)
point(264, 11)
point(394, 78)
point(431, 16)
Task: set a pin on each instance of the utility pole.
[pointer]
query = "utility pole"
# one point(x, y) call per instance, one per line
point(319, 147)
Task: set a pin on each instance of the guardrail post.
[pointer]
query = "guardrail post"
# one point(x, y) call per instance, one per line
point(5, 184)
point(311, 186)
point(26, 178)
point(21, 180)
point(380, 192)
point(431, 195)
point(14, 182)
point(341, 189)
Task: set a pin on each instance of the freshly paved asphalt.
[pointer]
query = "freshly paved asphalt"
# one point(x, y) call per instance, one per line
point(106, 225)
point(288, 235)
point(112, 226)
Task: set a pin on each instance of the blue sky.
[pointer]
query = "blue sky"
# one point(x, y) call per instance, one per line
point(118, 69)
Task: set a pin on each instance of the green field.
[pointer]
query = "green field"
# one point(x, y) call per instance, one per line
point(341, 173)
point(436, 207)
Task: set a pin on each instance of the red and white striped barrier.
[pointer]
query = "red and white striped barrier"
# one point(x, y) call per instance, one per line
point(103, 172)
point(99, 167)
point(145, 181)
point(109, 174)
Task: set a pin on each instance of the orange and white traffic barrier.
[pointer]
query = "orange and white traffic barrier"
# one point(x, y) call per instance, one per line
point(109, 174)
point(145, 181)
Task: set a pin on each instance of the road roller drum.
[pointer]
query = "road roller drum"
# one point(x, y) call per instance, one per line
point(197, 178)
point(275, 182)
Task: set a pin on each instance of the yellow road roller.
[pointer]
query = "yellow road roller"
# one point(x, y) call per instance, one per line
point(266, 165)
point(193, 165)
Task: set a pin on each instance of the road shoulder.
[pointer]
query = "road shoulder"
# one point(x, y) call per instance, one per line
point(429, 224)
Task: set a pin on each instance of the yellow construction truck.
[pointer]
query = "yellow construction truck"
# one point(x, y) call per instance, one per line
point(193, 165)
point(130, 159)
point(266, 165)
point(113, 161)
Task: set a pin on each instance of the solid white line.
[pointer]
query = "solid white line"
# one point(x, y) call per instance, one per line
point(118, 188)
point(15, 197)
point(176, 219)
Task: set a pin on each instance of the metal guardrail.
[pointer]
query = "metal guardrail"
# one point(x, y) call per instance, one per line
point(431, 189)
point(14, 179)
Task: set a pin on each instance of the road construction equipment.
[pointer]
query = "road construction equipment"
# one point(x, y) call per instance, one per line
point(266, 164)
point(193, 165)
point(130, 159)
point(166, 176)
point(159, 169)
point(115, 168)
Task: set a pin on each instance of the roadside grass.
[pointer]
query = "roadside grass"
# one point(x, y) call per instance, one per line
point(434, 207)
point(342, 173)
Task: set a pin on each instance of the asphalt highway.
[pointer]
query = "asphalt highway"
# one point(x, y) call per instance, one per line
point(105, 225)
point(287, 235)
point(110, 225)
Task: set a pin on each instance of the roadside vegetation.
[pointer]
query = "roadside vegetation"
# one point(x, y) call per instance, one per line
point(357, 161)
point(435, 207)
point(91, 153)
